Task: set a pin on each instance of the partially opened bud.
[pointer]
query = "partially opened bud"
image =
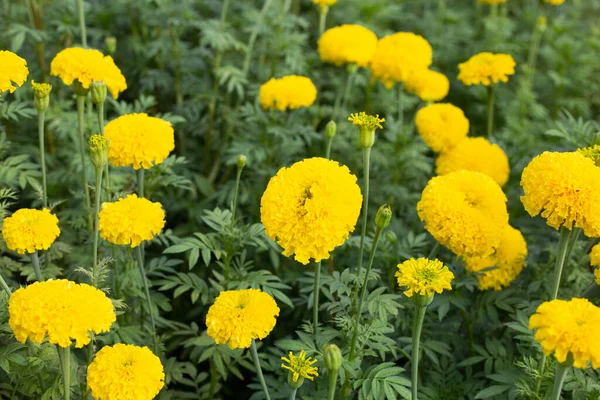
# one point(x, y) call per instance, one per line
point(330, 129)
point(383, 217)
point(99, 150)
point(41, 95)
point(98, 89)
point(333, 357)
point(367, 124)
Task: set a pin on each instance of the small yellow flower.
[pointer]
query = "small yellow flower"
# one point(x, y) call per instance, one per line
point(569, 327)
point(486, 69)
point(441, 126)
point(28, 230)
point(124, 371)
point(41, 89)
point(363, 120)
point(424, 277)
point(347, 44)
point(130, 220)
point(239, 316)
point(492, 2)
point(324, 3)
point(300, 366)
point(289, 92)
point(428, 85)
point(13, 72)
point(554, 2)
point(99, 146)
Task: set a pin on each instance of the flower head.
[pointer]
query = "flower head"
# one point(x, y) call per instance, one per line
point(324, 3)
point(475, 154)
point(564, 188)
point(363, 120)
point(124, 371)
point(441, 126)
point(139, 141)
point(464, 211)
point(486, 69)
point(14, 71)
point(289, 92)
point(28, 230)
point(595, 256)
point(569, 327)
point(554, 2)
point(130, 220)
point(60, 309)
point(87, 66)
point(423, 277)
point(597, 276)
point(492, 2)
point(397, 56)
point(99, 146)
point(428, 85)
point(300, 366)
point(310, 208)
point(347, 44)
point(508, 261)
point(239, 316)
point(41, 95)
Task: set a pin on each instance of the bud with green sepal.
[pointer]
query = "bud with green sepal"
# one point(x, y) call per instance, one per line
point(110, 44)
point(41, 95)
point(99, 150)
point(98, 89)
point(383, 216)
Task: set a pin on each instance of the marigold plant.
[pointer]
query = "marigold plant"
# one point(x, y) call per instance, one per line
point(347, 44)
point(486, 69)
point(289, 92)
point(428, 85)
point(441, 126)
point(28, 230)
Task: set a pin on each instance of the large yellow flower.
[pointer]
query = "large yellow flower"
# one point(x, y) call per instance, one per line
point(464, 211)
point(62, 310)
point(310, 208)
point(139, 141)
point(475, 154)
point(508, 261)
point(569, 327)
point(565, 189)
point(428, 85)
point(28, 230)
point(125, 372)
point(289, 92)
point(486, 69)
point(13, 72)
point(87, 66)
point(130, 220)
point(238, 316)
point(424, 277)
point(347, 44)
point(300, 366)
point(397, 56)
point(441, 126)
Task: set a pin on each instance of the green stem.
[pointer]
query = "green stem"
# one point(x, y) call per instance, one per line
point(333, 375)
point(316, 292)
point(564, 243)
point(259, 372)
point(416, 340)
point(41, 118)
point(35, 262)
point(84, 182)
point(140, 182)
point(490, 111)
point(100, 112)
point(365, 210)
point(533, 48)
point(235, 193)
point(138, 255)
point(348, 88)
point(81, 13)
point(253, 35)
point(338, 98)
point(5, 286)
point(97, 213)
point(66, 370)
point(322, 18)
point(592, 291)
point(328, 148)
point(434, 252)
point(401, 105)
point(293, 394)
point(559, 379)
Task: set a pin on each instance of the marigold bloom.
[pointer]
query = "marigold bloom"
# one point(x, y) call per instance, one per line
point(492, 2)
point(486, 69)
point(323, 3)
point(464, 211)
point(289, 92)
point(87, 66)
point(554, 2)
point(565, 327)
point(238, 316)
point(441, 126)
point(130, 220)
point(564, 188)
point(62, 310)
point(595, 256)
point(13, 72)
point(423, 277)
point(124, 371)
point(597, 276)
point(428, 85)
point(310, 208)
point(397, 56)
point(300, 366)
point(139, 141)
point(364, 120)
point(28, 230)
point(509, 260)
point(347, 44)
point(475, 154)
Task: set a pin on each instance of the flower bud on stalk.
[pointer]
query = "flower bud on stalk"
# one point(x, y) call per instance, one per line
point(41, 95)
point(383, 216)
point(330, 129)
point(99, 150)
point(98, 89)
point(333, 358)
point(241, 161)
point(367, 124)
point(110, 44)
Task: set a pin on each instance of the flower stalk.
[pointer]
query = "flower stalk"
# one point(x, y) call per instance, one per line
point(401, 105)
point(316, 292)
point(140, 182)
point(41, 120)
point(99, 97)
point(559, 380)
point(138, 254)
point(66, 370)
point(5, 286)
point(97, 213)
point(490, 110)
point(259, 372)
point(81, 13)
point(81, 126)
point(35, 262)
point(416, 342)
point(323, 11)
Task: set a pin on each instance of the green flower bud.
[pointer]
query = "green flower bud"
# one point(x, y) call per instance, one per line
point(41, 95)
point(367, 124)
point(110, 43)
point(241, 161)
point(383, 217)
point(297, 384)
point(98, 89)
point(421, 300)
point(330, 129)
point(332, 356)
point(99, 150)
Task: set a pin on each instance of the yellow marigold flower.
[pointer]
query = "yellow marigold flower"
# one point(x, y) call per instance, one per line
point(130, 220)
point(464, 211)
point(62, 310)
point(554, 2)
point(565, 189)
point(595, 256)
point(508, 260)
point(300, 366)
point(347, 44)
point(41, 89)
point(428, 85)
point(363, 120)
point(28, 230)
point(597, 276)
point(486, 69)
point(310, 208)
point(593, 153)
point(87, 66)
point(441, 126)
point(139, 141)
point(565, 327)
point(124, 371)
point(289, 92)
point(323, 3)
point(13, 72)
point(475, 154)
point(423, 277)
point(397, 56)
point(238, 316)
point(492, 2)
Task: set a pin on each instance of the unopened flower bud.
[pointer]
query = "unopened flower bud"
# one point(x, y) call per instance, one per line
point(99, 150)
point(542, 24)
point(41, 95)
point(367, 124)
point(383, 217)
point(330, 129)
point(110, 43)
point(332, 356)
point(241, 161)
point(98, 89)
